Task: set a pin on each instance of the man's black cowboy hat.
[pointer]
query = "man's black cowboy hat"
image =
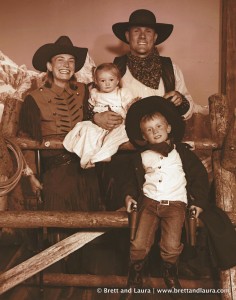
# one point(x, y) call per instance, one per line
point(145, 18)
point(63, 45)
point(149, 105)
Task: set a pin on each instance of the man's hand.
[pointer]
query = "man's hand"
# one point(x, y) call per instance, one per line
point(176, 97)
point(198, 210)
point(128, 203)
point(107, 120)
point(36, 186)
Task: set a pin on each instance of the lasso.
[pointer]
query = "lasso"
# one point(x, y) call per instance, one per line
point(22, 168)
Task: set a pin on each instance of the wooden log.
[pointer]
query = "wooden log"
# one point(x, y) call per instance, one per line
point(219, 113)
point(40, 219)
point(228, 157)
point(44, 259)
point(227, 280)
point(228, 57)
point(6, 167)
point(10, 117)
point(225, 185)
point(111, 281)
point(36, 219)
point(56, 143)
point(9, 127)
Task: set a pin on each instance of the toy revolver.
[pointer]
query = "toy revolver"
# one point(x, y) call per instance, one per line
point(192, 226)
point(133, 221)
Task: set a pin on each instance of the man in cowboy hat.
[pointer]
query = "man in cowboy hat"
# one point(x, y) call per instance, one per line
point(161, 178)
point(144, 73)
point(143, 70)
point(53, 110)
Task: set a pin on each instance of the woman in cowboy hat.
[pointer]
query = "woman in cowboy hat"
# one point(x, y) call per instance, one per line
point(53, 110)
point(162, 178)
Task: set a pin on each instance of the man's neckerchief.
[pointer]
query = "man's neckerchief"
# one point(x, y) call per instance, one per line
point(147, 70)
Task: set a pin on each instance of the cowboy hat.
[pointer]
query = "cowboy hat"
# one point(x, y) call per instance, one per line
point(149, 105)
point(145, 18)
point(63, 45)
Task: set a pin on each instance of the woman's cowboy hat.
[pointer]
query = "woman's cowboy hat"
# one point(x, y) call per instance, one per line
point(150, 105)
point(63, 45)
point(145, 18)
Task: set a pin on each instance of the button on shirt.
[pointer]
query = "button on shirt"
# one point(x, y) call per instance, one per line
point(164, 176)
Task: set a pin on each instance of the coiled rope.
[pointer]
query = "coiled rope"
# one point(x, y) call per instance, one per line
point(9, 184)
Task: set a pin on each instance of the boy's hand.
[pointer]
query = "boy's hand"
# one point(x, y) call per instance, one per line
point(198, 210)
point(128, 203)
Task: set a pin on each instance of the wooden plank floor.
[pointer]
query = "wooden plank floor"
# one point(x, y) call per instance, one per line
point(12, 254)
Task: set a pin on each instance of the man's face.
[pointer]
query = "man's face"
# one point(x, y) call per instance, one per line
point(62, 67)
point(141, 40)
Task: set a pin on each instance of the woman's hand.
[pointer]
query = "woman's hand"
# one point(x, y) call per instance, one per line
point(36, 186)
point(128, 203)
point(176, 97)
point(107, 120)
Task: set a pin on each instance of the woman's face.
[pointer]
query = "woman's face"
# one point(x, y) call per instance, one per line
point(62, 67)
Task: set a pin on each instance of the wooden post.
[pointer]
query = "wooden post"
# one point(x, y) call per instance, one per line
point(8, 127)
point(5, 169)
point(228, 157)
point(225, 181)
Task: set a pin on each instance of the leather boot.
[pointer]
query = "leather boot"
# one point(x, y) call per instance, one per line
point(170, 275)
point(135, 278)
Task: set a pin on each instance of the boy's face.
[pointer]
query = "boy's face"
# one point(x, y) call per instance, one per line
point(106, 81)
point(155, 130)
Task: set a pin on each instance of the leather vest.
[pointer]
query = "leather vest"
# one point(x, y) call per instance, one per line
point(60, 114)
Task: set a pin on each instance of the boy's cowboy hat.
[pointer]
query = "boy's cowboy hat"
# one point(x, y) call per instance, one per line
point(145, 18)
point(63, 45)
point(150, 105)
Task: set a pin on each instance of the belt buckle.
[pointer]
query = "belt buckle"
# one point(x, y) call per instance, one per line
point(164, 202)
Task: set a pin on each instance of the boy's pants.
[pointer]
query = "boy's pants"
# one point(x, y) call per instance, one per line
point(171, 218)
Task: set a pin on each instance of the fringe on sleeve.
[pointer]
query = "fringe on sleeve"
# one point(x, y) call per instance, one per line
point(30, 119)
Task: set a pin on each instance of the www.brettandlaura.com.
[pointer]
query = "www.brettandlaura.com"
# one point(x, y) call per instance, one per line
point(160, 291)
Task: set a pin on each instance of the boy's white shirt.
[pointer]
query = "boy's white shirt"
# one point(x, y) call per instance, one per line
point(164, 176)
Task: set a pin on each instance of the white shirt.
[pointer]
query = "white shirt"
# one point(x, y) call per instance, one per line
point(164, 176)
point(138, 89)
point(117, 100)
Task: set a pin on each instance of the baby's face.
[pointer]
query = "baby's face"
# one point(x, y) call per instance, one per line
point(106, 81)
point(155, 130)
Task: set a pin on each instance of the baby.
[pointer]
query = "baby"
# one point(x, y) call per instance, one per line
point(89, 141)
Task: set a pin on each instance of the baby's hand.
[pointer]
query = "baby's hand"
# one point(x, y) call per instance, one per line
point(128, 203)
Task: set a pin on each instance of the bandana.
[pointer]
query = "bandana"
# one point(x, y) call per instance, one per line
point(163, 148)
point(147, 70)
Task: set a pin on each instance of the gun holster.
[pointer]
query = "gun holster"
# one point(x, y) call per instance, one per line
point(133, 222)
point(191, 227)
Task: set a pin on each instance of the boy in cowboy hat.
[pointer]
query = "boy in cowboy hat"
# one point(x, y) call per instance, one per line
point(162, 178)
